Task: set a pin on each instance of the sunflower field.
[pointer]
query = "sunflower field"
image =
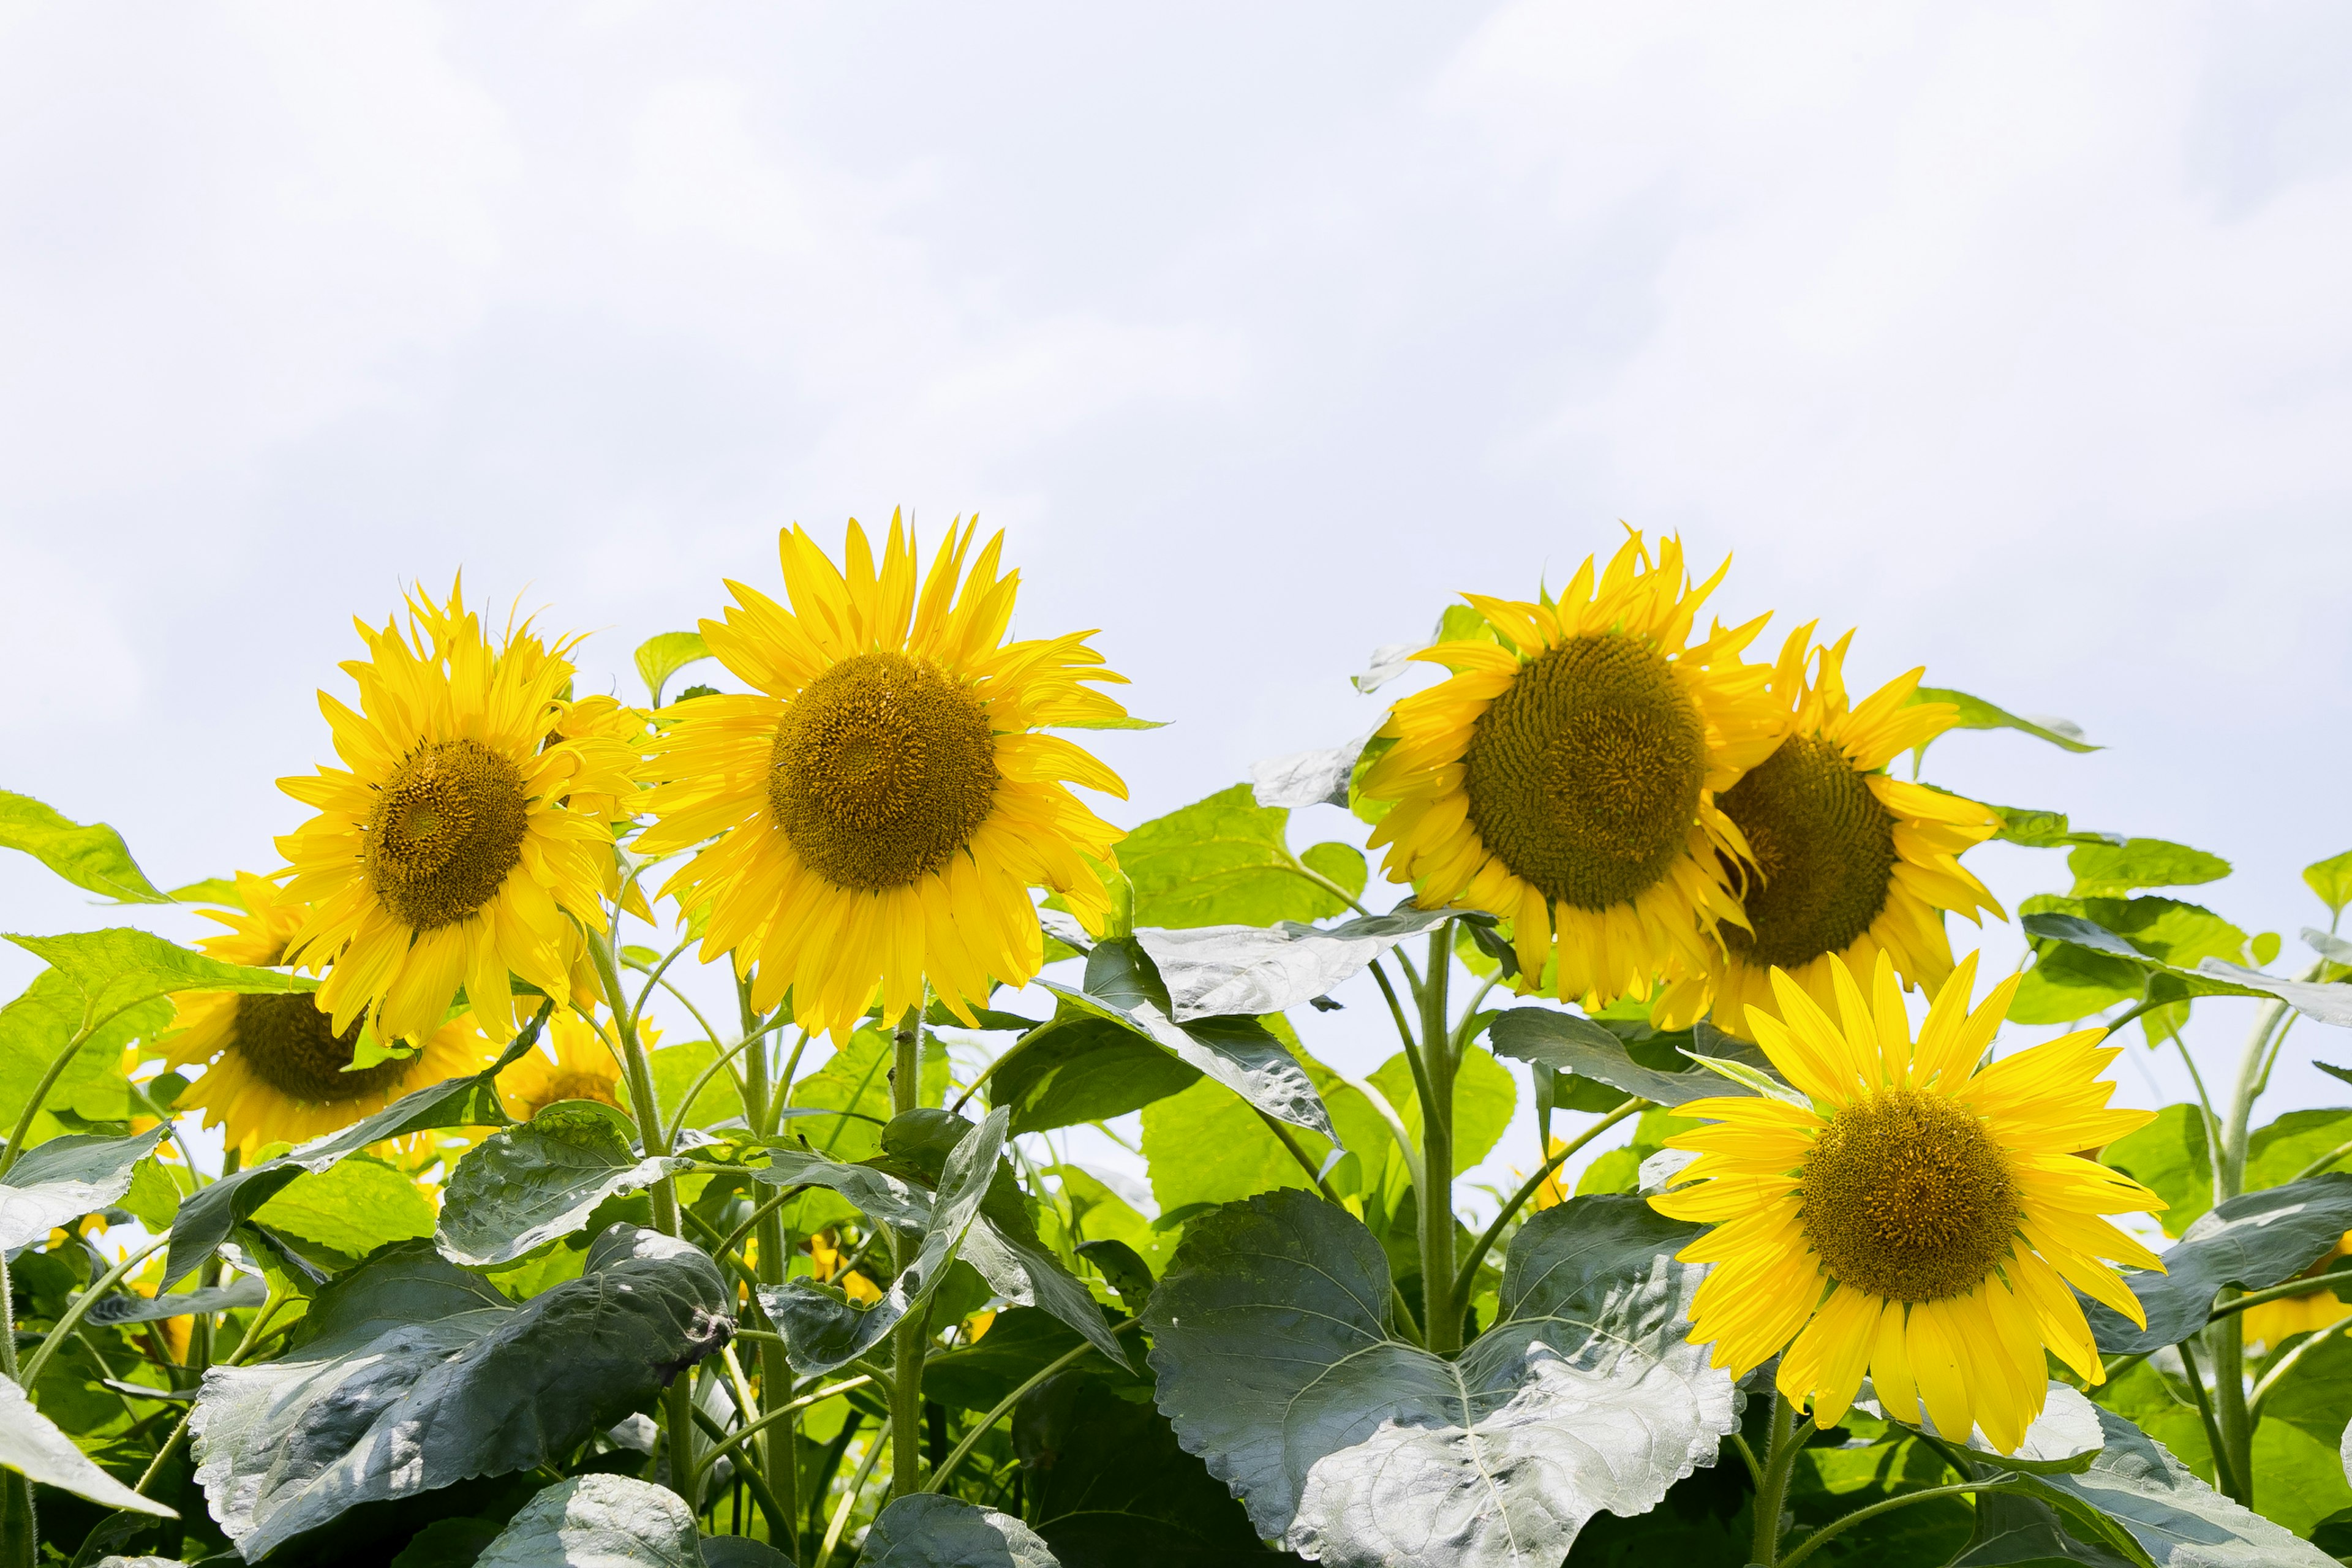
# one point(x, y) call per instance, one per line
point(433, 1213)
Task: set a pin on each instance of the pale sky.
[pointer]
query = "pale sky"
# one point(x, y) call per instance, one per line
point(2017, 336)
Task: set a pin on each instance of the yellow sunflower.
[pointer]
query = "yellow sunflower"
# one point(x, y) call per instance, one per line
point(573, 1062)
point(882, 801)
point(1849, 862)
point(1919, 1220)
point(273, 1065)
point(475, 813)
point(1565, 777)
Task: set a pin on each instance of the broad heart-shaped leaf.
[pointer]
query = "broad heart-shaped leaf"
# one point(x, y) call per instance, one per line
point(1124, 988)
point(2332, 880)
point(31, 1445)
point(824, 1331)
point(1210, 971)
point(522, 1186)
point(93, 858)
point(2328, 1004)
point(353, 1208)
point(2105, 869)
point(606, 1521)
point(1221, 861)
point(417, 1375)
point(64, 1179)
point(1079, 1067)
point(2257, 1240)
point(1110, 1486)
point(207, 1217)
point(661, 656)
point(1275, 1365)
point(927, 1531)
point(1975, 714)
point(2012, 1529)
point(245, 1290)
point(2147, 1507)
point(2064, 1439)
point(119, 967)
point(1308, 778)
point(36, 1026)
point(1567, 1043)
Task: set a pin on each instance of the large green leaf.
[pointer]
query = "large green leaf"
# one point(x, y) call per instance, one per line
point(663, 656)
point(1110, 1486)
point(2298, 1466)
point(2104, 870)
point(2171, 1157)
point(417, 1375)
point(1220, 861)
point(523, 1186)
point(121, 967)
point(64, 1179)
point(207, 1217)
point(1020, 1343)
point(1215, 970)
point(2332, 880)
point(1123, 987)
point(822, 1328)
point(2018, 1531)
point(1308, 778)
point(599, 1522)
point(925, 1529)
point(2258, 1240)
point(1975, 714)
point(2147, 958)
point(38, 1025)
point(2330, 1004)
point(353, 1208)
point(675, 1069)
point(1079, 1067)
point(1567, 1043)
point(1276, 1365)
point(1485, 1097)
point(2144, 1505)
point(856, 1082)
point(32, 1446)
point(92, 858)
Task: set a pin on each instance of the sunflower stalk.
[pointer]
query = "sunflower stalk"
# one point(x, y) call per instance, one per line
point(1441, 1316)
point(907, 1344)
point(2225, 1339)
point(779, 1449)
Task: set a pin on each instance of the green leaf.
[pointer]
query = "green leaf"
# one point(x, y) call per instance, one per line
point(2137, 1498)
point(41, 1023)
point(676, 1067)
point(823, 1329)
point(32, 1446)
point(2065, 1438)
point(1020, 1344)
point(2012, 1530)
point(1080, 1066)
point(415, 1374)
point(2284, 1150)
point(1567, 1043)
point(1108, 1483)
point(112, 1311)
point(523, 1187)
point(2255, 1241)
point(64, 1179)
point(1220, 861)
point(220, 890)
point(1342, 863)
point(1975, 714)
point(659, 658)
point(92, 858)
point(2330, 1004)
point(1275, 1365)
point(603, 1520)
point(2172, 1158)
point(207, 1217)
point(2042, 829)
point(119, 967)
point(2105, 869)
point(856, 1080)
point(925, 1529)
point(2299, 1473)
point(1309, 778)
point(2332, 880)
point(1217, 970)
point(1485, 1096)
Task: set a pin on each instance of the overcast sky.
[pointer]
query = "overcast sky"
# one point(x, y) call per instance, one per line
point(2017, 336)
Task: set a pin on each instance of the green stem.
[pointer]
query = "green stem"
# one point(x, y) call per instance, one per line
point(2281, 1367)
point(980, 1428)
point(81, 1305)
point(1519, 1200)
point(2224, 1473)
point(2316, 1166)
point(778, 1457)
point(1837, 1526)
point(882, 1439)
point(1779, 1455)
point(782, 1413)
point(907, 1346)
point(2303, 1287)
point(1441, 1317)
point(2226, 1337)
point(759, 1492)
point(19, 1532)
point(64, 1060)
point(1324, 882)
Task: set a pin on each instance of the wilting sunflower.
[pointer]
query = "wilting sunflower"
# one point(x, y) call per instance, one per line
point(882, 801)
point(1565, 777)
point(1848, 862)
point(1918, 1220)
point(475, 812)
point(274, 1063)
point(573, 1062)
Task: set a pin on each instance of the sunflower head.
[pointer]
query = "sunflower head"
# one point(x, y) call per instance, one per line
point(275, 1068)
point(1842, 861)
point(470, 824)
point(573, 1062)
point(1915, 1216)
point(874, 812)
point(1565, 777)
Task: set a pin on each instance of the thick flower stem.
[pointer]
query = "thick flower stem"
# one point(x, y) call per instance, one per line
point(2225, 1340)
point(1441, 1315)
point(907, 1345)
point(1780, 1458)
point(778, 1457)
point(17, 1533)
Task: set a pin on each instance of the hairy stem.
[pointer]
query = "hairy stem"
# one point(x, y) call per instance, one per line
point(1441, 1316)
point(1779, 1455)
point(907, 1345)
point(778, 1452)
point(1528, 1189)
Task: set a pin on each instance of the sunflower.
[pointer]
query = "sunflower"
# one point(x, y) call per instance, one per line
point(1915, 1220)
point(475, 814)
point(573, 1062)
point(2274, 1322)
point(1565, 777)
point(1849, 862)
point(274, 1064)
point(882, 802)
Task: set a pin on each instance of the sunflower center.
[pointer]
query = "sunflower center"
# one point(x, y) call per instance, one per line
point(1585, 774)
point(1906, 1196)
point(1826, 849)
point(292, 1046)
point(569, 1083)
point(883, 767)
point(447, 828)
